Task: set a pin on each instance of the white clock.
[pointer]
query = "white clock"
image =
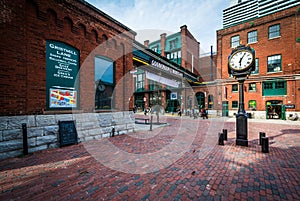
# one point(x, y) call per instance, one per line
point(101, 87)
point(241, 60)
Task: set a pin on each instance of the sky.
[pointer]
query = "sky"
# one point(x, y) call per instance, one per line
point(150, 18)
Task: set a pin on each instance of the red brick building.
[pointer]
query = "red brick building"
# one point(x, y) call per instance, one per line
point(31, 30)
point(62, 63)
point(208, 87)
point(273, 90)
point(182, 48)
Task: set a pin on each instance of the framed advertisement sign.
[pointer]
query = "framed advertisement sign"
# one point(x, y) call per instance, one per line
point(62, 66)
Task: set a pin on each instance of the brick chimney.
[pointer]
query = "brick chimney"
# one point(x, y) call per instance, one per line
point(163, 44)
point(183, 33)
point(146, 43)
point(183, 28)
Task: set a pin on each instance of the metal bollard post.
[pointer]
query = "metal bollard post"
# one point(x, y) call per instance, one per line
point(25, 142)
point(261, 135)
point(221, 139)
point(225, 134)
point(151, 118)
point(265, 145)
point(113, 132)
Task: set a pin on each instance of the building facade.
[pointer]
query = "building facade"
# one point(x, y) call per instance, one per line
point(245, 10)
point(61, 61)
point(183, 49)
point(208, 88)
point(159, 81)
point(273, 90)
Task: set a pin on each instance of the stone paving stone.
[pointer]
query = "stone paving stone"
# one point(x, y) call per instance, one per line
point(228, 172)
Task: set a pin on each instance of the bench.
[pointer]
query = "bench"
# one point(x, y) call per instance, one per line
point(141, 118)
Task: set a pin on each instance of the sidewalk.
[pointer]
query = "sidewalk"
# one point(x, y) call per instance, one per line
point(233, 119)
point(203, 171)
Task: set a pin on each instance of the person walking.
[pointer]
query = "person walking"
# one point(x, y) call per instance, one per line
point(204, 113)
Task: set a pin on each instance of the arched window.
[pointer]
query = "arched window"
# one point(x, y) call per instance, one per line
point(104, 82)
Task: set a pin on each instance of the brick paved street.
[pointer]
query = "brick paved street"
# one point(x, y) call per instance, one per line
point(206, 171)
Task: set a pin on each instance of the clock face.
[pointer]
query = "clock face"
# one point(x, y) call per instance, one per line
point(101, 87)
point(241, 60)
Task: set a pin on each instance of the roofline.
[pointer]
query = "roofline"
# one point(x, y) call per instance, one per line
point(106, 16)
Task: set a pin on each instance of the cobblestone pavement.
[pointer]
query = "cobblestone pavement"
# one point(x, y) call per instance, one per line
point(206, 171)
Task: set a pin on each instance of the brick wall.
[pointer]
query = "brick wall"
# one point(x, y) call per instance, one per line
point(25, 27)
point(285, 45)
point(207, 68)
point(189, 47)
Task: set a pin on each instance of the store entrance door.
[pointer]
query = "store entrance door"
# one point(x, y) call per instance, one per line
point(275, 110)
point(225, 109)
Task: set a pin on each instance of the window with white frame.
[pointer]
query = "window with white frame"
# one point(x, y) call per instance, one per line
point(274, 31)
point(274, 63)
point(252, 36)
point(235, 41)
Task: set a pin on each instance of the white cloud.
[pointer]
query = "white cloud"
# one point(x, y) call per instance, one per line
point(202, 18)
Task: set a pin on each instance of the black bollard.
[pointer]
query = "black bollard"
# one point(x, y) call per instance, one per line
point(261, 134)
point(265, 144)
point(25, 142)
point(225, 134)
point(113, 132)
point(221, 139)
point(151, 118)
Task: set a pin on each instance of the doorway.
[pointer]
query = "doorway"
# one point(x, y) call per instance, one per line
point(225, 109)
point(200, 98)
point(275, 110)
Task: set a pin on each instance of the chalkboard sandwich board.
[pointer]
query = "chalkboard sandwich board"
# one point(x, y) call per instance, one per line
point(67, 133)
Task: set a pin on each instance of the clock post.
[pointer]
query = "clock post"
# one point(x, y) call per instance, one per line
point(241, 118)
point(241, 62)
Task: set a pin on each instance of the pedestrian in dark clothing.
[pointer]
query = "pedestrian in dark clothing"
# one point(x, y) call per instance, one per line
point(204, 113)
point(179, 111)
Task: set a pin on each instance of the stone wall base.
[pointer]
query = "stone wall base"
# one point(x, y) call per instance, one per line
point(43, 130)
